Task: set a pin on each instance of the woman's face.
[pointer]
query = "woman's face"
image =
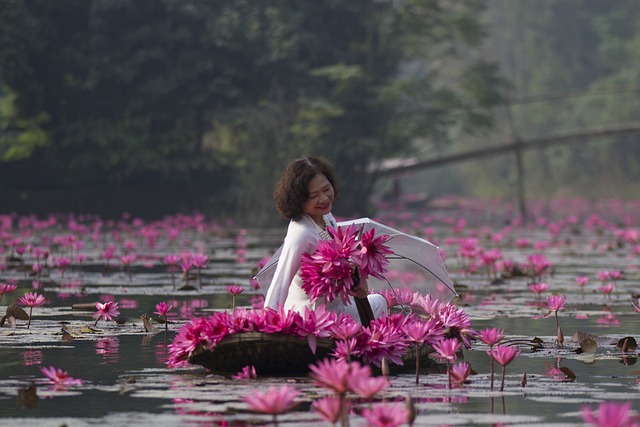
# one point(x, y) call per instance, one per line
point(320, 201)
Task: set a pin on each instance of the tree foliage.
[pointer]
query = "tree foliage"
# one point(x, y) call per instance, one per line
point(572, 66)
point(110, 88)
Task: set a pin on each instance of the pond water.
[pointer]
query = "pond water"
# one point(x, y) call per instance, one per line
point(123, 367)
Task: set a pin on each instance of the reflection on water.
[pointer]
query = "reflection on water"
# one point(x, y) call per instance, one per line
point(33, 357)
point(108, 348)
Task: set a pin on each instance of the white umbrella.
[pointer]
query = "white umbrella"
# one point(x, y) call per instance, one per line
point(416, 264)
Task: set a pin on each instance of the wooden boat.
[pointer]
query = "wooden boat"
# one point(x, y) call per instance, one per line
point(279, 354)
point(270, 354)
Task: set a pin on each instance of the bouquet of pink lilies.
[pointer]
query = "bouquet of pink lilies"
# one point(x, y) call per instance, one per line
point(329, 271)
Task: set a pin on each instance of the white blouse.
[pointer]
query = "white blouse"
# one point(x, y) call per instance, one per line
point(285, 289)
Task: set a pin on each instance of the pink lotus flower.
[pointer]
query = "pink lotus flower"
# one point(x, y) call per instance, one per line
point(328, 408)
point(610, 414)
point(372, 258)
point(383, 340)
point(420, 332)
point(59, 377)
point(460, 372)
point(582, 280)
point(386, 415)
point(128, 259)
point(107, 311)
point(491, 336)
point(276, 400)
point(234, 291)
point(447, 350)
point(503, 355)
point(31, 299)
point(328, 272)
point(172, 261)
point(607, 288)
point(367, 388)
point(161, 310)
point(538, 288)
point(62, 264)
point(247, 373)
point(6, 288)
point(338, 375)
point(538, 263)
point(199, 261)
point(556, 303)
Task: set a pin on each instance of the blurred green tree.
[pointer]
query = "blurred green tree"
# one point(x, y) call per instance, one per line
point(110, 89)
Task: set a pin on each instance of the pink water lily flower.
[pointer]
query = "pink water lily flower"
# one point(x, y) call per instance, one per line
point(234, 291)
point(610, 414)
point(162, 308)
point(447, 349)
point(328, 408)
point(107, 311)
point(276, 400)
point(6, 288)
point(31, 299)
point(386, 415)
point(367, 388)
point(460, 372)
point(338, 375)
point(59, 377)
point(491, 336)
point(247, 373)
point(607, 288)
point(556, 303)
point(582, 280)
point(503, 355)
point(372, 258)
point(538, 288)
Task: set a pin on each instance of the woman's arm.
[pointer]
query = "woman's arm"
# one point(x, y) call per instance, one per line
point(300, 239)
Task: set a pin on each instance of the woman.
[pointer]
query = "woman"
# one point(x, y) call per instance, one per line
point(305, 194)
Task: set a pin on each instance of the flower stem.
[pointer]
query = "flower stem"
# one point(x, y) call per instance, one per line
point(417, 363)
point(492, 368)
point(502, 383)
point(29, 323)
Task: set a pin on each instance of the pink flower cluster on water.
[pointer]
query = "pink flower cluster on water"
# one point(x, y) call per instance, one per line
point(388, 337)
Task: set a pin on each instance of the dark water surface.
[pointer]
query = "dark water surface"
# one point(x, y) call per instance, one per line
point(126, 379)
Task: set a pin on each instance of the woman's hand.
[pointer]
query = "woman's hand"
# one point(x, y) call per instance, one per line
point(361, 290)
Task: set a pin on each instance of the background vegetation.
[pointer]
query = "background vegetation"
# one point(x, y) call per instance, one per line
point(164, 105)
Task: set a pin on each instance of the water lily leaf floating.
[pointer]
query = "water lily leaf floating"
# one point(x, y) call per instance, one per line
point(587, 346)
point(17, 312)
point(627, 344)
point(569, 375)
point(13, 312)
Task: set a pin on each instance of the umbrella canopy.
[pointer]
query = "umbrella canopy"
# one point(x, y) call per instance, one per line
point(416, 263)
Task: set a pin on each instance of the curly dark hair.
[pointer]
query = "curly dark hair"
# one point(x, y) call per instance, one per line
point(292, 189)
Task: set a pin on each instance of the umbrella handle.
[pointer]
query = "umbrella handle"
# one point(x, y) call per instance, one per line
point(362, 304)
